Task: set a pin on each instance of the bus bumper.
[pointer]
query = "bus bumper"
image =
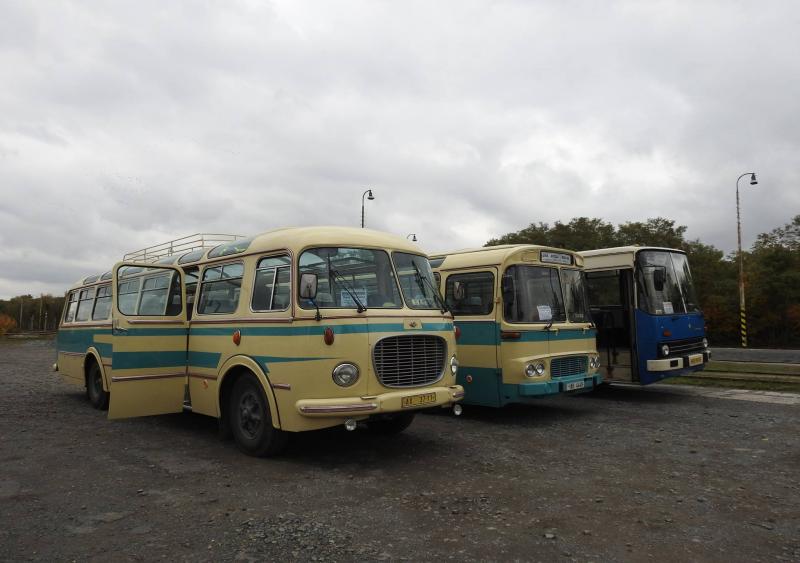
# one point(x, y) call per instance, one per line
point(681, 362)
point(394, 401)
point(559, 385)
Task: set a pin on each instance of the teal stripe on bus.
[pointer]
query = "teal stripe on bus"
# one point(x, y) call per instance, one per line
point(204, 359)
point(266, 360)
point(316, 330)
point(149, 360)
point(486, 333)
point(80, 340)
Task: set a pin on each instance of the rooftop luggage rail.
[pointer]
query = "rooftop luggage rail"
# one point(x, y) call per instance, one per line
point(181, 245)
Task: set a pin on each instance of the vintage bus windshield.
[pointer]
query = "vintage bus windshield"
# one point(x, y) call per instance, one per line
point(532, 294)
point(347, 276)
point(575, 295)
point(416, 281)
point(664, 283)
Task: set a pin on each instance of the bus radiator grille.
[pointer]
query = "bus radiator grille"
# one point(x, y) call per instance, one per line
point(571, 365)
point(409, 361)
point(685, 346)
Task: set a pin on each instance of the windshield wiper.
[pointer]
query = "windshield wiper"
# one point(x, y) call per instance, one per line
point(426, 281)
point(346, 285)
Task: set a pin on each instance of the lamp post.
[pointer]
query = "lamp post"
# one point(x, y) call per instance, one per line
point(413, 237)
point(742, 316)
point(370, 197)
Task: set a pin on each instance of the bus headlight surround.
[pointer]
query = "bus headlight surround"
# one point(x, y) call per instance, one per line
point(594, 362)
point(345, 375)
point(453, 364)
point(664, 350)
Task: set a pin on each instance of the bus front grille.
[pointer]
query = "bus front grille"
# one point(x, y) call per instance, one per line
point(685, 346)
point(409, 361)
point(571, 365)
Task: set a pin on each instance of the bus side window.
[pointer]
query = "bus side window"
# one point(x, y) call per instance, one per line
point(220, 288)
point(272, 288)
point(72, 307)
point(102, 306)
point(191, 289)
point(85, 302)
point(475, 295)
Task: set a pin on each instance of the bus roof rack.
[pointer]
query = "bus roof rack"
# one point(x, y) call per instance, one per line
point(197, 241)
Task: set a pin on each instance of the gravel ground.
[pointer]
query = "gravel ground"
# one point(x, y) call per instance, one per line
point(624, 474)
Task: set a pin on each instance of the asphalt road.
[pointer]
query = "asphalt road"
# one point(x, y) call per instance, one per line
point(663, 473)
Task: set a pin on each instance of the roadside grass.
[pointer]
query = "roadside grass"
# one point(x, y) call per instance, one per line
point(707, 381)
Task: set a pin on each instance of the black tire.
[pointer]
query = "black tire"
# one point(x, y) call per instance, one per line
point(250, 419)
point(94, 388)
point(389, 425)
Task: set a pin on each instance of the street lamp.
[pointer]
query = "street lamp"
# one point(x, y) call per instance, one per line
point(413, 237)
point(370, 197)
point(742, 317)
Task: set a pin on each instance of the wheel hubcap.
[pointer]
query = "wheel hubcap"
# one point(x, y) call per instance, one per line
point(250, 415)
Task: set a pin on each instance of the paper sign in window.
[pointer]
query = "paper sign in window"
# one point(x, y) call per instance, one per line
point(668, 310)
point(545, 312)
point(359, 292)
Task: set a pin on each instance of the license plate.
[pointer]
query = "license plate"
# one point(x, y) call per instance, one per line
point(575, 385)
point(695, 360)
point(418, 400)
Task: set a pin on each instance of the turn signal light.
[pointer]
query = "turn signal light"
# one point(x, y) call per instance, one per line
point(506, 335)
point(458, 332)
point(667, 332)
point(328, 336)
point(237, 337)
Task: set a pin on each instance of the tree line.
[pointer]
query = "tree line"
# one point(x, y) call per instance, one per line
point(29, 313)
point(772, 274)
point(771, 268)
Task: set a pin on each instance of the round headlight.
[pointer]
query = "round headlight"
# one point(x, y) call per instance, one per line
point(453, 365)
point(705, 342)
point(539, 367)
point(530, 370)
point(594, 362)
point(345, 374)
point(664, 350)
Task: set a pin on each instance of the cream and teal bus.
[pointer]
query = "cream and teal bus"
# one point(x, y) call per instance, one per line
point(522, 322)
point(294, 329)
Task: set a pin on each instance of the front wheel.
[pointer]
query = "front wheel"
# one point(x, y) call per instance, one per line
point(98, 398)
point(391, 424)
point(250, 419)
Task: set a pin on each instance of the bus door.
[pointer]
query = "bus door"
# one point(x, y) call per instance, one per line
point(471, 297)
point(149, 341)
point(611, 304)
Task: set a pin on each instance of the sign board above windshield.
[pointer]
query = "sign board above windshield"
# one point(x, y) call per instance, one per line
point(555, 258)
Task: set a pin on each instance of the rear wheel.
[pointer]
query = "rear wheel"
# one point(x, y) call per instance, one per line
point(94, 388)
point(391, 424)
point(251, 421)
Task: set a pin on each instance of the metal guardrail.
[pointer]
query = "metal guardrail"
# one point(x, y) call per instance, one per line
point(197, 241)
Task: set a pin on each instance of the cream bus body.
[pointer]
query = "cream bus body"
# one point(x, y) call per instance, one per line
point(519, 335)
point(250, 351)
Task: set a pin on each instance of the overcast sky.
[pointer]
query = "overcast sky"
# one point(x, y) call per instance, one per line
point(124, 124)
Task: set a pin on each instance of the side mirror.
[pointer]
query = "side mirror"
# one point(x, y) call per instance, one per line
point(308, 286)
point(508, 288)
point(459, 291)
point(659, 277)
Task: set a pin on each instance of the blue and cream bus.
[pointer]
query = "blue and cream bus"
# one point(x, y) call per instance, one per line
point(649, 324)
point(294, 329)
point(522, 322)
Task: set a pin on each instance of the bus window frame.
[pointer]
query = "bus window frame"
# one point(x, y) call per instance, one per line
point(256, 270)
point(201, 282)
point(494, 276)
point(545, 266)
point(110, 302)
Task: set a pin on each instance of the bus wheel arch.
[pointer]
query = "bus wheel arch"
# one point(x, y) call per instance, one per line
point(235, 368)
point(95, 385)
point(247, 415)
